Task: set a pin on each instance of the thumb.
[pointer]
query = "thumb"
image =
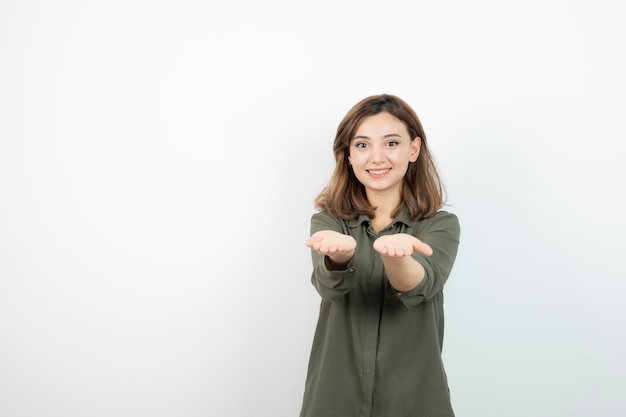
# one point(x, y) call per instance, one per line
point(422, 248)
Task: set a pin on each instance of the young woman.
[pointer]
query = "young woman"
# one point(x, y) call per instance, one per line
point(382, 251)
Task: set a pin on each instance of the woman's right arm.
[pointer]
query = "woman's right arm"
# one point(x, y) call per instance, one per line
point(332, 253)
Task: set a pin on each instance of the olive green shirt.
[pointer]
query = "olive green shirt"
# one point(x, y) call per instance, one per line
point(377, 351)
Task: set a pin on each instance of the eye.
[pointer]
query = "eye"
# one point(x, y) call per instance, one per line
point(393, 143)
point(361, 145)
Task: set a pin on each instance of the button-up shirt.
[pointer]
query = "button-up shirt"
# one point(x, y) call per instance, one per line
point(377, 351)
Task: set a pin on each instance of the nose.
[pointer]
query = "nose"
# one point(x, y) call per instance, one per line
point(378, 153)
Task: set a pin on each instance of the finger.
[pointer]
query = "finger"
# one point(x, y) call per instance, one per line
point(423, 248)
point(402, 252)
point(313, 239)
point(378, 247)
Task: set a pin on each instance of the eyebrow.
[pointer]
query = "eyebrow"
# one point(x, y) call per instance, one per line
point(387, 136)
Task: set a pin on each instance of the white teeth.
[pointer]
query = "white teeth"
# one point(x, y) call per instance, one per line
point(378, 171)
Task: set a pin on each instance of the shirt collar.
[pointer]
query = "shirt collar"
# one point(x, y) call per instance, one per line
point(402, 217)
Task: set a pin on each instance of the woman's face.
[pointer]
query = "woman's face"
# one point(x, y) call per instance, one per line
point(380, 152)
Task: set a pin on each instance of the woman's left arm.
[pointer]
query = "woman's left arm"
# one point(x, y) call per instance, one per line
point(404, 272)
point(417, 268)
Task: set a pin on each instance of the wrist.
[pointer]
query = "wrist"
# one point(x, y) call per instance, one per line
point(335, 265)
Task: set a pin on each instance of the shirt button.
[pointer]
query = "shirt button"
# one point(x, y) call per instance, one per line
point(351, 269)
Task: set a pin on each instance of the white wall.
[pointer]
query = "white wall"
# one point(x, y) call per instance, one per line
point(158, 162)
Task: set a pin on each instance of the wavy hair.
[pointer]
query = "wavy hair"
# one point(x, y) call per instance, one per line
point(423, 192)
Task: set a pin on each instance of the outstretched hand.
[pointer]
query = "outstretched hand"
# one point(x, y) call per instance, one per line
point(329, 242)
point(400, 245)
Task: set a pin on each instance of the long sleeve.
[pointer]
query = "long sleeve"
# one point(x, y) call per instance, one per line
point(442, 233)
point(331, 285)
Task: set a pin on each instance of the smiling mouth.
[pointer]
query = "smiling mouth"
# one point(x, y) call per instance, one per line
point(378, 172)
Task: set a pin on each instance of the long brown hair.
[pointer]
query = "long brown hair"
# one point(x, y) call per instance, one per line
point(422, 190)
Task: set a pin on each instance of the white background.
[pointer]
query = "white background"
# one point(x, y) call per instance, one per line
point(159, 160)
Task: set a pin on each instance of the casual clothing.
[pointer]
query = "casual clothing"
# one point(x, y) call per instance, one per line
point(377, 351)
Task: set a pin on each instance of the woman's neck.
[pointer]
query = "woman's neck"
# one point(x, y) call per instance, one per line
point(385, 206)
